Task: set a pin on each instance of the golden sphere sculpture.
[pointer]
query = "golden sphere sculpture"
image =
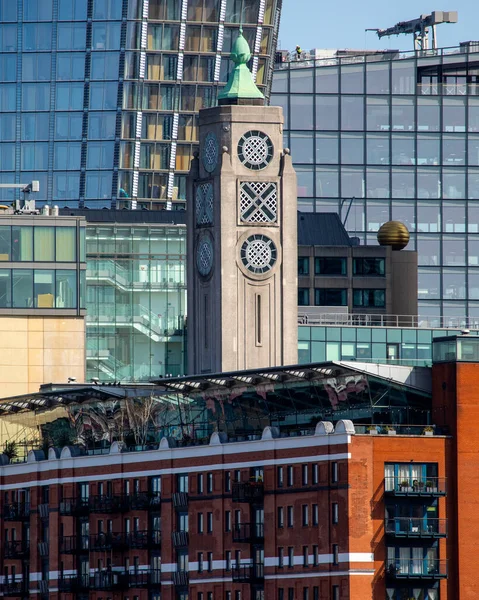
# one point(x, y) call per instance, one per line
point(394, 234)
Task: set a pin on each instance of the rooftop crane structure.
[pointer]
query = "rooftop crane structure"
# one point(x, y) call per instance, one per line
point(420, 28)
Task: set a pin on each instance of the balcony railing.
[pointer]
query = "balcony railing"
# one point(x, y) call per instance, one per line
point(18, 511)
point(416, 528)
point(180, 539)
point(143, 500)
point(248, 532)
point(108, 504)
point(74, 583)
point(417, 568)
point(252, 491)
point(142, 579)
point(415, 486)
point(75, 507)
point(107, 580)
point(16, 589)
point(72, 544)
point(180, 500)
point(181, 578)
point(16, 549)
point(249, 573)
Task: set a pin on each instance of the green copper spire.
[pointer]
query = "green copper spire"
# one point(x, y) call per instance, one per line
point(241, 85)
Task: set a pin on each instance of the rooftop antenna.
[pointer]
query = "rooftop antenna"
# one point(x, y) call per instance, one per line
point(420, 28)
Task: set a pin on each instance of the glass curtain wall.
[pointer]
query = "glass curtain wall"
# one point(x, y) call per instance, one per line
point(394, 136)
point(99, 98)
point(136, 302)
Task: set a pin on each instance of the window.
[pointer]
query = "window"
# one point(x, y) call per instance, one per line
point(44, 288)
point(228, 520)
point(335, 513)
point(290, 476)
point(44, 245)
point(37, 36)
point(315, 474)
point(65, 244)
point(209, 522)
point(305, 593)
point(237, 595)
point(303, 296)
point(290, 557)
point(335, 592)
point(370, 267)
point(335, 554)
point(200, 562)
point(315, 556)
point(305, 515)
point(228, 560)
point(209, 480)
point(315, 514)
point(280, 517)
point(369, 298)
point(290, 516)
point(237, 475)
point(281, 557)
point(237, 517)
point(305, 474)
point(210, 561)
point(303, 265)
point(280, 593)
point(199, 483)
point(66, 289)
point(227, 481)
point(200, 523)
point(280, 476)
point(290, 593)
point(330, 266)
point(209, 596)
point(104, 65)
point(330, 297)
point(334, 472)
point(72, 10)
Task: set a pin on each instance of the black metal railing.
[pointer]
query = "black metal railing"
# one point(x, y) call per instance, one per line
point(15, 588)
point(108, 504)
point(180, 500)
point(143, 500)
point(107, 580)
point(413, 527)
point(252, 491)
point(248, 532)
point(75, 507)
point(415, 486)
point(149, 578)
point(180, 539)
point(417, 568)
point(71, 544)
point(16, 549)
point(74, 583)
point(181, 578)
point(251, 573)
point(17, 511)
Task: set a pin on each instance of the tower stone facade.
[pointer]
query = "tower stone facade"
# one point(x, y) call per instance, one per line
point(242, 236)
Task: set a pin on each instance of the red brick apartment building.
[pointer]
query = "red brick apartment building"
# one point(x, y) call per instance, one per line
point(260, 498)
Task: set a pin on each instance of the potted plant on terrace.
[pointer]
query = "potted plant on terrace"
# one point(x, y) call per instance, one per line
point(428, 430)
point(372, 429)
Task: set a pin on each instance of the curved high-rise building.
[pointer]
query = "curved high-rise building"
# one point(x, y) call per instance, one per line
point(99, 98)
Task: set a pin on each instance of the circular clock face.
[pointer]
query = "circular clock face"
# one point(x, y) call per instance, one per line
point(204, 204)
point(255, 150)
point(258, 254)
point(204, 256)
point(210, 152)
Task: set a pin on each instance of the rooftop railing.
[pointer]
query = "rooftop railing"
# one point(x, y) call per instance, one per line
point(404, 321)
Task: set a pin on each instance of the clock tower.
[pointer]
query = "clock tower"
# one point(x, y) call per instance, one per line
point(242, 234)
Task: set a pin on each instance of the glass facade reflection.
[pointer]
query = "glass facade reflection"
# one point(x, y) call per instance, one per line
point(136, 301)
point(98, 99)
point(394, 136)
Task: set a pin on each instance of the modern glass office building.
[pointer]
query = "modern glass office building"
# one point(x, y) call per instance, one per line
point(98, 99)
point(394, 136)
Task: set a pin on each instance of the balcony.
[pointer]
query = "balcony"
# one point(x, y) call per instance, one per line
point(143, 500)
point(400, 486)
point(417, 568)
point(249, 573)
point(181, 578)
point(17, 549)
point(143, 579)
point(15, 589)
point(400, 527)
point(180, 500)
point(108, 504)
point(72, 544)
point(180, 539)
point(108, 580)
point(252, 492)
point(250, 533)
point(74, 583)
point(75, 507)
point(18, 511)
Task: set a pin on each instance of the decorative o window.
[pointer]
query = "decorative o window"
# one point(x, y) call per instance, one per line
point(210, 152)
point(204, 256)
point(258, 254)
point(255, 150)
point(258, 202)
point(204, 204)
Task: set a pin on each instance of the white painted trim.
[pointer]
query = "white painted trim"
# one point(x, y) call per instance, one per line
point(156, 472)
point(310, 574)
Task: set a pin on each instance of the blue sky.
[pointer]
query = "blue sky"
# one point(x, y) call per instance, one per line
point(341, 23)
